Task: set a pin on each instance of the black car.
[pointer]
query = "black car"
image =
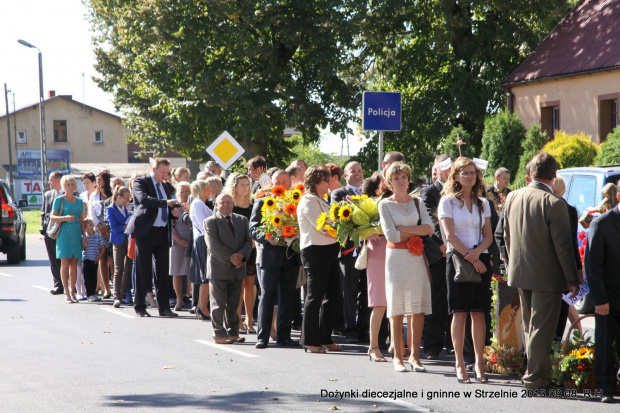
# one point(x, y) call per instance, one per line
point(12, 226)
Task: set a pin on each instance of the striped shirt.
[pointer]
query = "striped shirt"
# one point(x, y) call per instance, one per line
point(92, 250)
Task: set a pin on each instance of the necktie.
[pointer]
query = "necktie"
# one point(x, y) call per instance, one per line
point(230, 225)
point(164, 211)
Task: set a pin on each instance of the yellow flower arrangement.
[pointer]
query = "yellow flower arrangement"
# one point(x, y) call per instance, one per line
point(269, 203)
point(333, 212)
point(331, 231)
point(345, 213)
point(320, 222)
point(296, 195)
point(279, 221)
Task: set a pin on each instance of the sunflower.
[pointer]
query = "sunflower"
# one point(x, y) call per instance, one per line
point(276, 221)
point(269, 203)
point(296, 195)
point(288, 231)
point(300, 187)
point(320, 221)
point(290, 209)
point(278, 191)
point(345, 213)
point(331, 231)
point(333, 212)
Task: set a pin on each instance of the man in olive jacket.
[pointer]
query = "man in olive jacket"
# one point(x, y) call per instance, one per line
point(542, 266)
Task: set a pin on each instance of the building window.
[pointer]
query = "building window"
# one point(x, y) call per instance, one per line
point(608, 115)
point(60, 131)
point(98, 136)
point(22, 137)
point(550, 118)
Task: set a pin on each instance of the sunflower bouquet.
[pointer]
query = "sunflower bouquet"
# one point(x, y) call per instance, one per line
point(279, 222)
point(356, 217)
point(572, 364)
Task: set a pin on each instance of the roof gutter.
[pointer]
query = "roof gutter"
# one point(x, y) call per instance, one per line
point(559, 77)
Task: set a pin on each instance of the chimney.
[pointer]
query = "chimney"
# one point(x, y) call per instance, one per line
point(51, 94)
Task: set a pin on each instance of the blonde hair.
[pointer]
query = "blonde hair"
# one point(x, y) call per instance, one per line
point(180, 171)
point(215, 182)
point(65, 179)
point(198, 187)
point(231, 186)
point(397, 168)
point(184, 185)
point(120, 191)
point(559, 187)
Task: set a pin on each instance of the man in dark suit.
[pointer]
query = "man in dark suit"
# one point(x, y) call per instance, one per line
point(150, 226)
point(437, 325)
point(256, 167)
point(602, 262)
point(50, 244)
point(542, 265)
point(229, 245)
point(279, 269)
point(349, 275)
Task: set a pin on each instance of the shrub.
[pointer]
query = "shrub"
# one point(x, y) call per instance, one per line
point(609, 151)
point(449, 147)
point(572, 150)
point(501, 142)
point(535, 139)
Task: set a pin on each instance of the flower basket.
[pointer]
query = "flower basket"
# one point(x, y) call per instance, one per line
point(503, 359)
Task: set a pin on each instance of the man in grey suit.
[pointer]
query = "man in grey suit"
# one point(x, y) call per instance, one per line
point(542, 265)
point(50, 244)
point(229, 245)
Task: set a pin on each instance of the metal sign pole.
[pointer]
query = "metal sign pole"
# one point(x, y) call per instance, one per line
point(380, 149)
point(8, 129)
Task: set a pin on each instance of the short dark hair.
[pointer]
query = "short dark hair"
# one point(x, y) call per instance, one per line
point(258, 162)
point(544, 166)
point(56, 174)
point(90, 176)
point(160, 161)
point(500, 171)
point(294, 170)
point(394, 156)
point(334, 170)
point(440, 158)
point(370, 185)
point(314, 176)
point(300, 160)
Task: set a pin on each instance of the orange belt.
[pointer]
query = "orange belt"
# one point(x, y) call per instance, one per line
point(398, 246)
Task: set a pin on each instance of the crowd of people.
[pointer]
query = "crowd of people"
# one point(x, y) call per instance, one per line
point(162, 241)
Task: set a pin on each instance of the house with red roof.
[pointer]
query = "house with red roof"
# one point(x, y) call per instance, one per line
point(571, 82)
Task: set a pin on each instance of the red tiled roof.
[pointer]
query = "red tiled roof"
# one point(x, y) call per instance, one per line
point(586, 40)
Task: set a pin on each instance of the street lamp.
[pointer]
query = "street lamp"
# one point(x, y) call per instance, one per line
point(42, 121)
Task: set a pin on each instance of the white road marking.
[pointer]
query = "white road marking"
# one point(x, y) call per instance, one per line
point(41, 288)
point(110, 310)
point(226, 347)
point(6, 275)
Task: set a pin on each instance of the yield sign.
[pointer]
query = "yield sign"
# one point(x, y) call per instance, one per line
point(225, 150)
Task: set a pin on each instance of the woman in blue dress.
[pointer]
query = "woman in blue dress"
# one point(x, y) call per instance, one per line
point(69, 243)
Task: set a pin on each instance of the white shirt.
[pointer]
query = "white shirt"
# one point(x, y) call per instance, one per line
point(94, 207)
point(538, 182)
point(198, 212)
point(355, 189)
point(159, 221)
point(466, 224)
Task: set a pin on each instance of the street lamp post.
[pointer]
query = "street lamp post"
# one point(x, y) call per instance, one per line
point(42, 113)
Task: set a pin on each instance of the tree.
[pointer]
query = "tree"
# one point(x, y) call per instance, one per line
point(609, 152)
point(501, 142)
point(535, 139)
point(448, 58)
point(572, 151)
point(183, 71)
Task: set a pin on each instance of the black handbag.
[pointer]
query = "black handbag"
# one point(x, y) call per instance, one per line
point(431, 249)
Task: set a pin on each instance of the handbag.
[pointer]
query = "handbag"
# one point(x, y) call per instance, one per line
point(302, 278)
point(431, 249)
point(131, 248)
point(362, 259)
point(464, 270)
point(53, 228)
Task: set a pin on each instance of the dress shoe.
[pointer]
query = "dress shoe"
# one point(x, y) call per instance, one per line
point(432, 356)
point(223, 340)
point(57, 291)
point(351, 340)
point(469, 367)
point(167, 313)
point(287, 343)
point(192, 310)
point(142, 313)
point(237, 339)
point(607, 399)
point(296, 325)
point(261, 344)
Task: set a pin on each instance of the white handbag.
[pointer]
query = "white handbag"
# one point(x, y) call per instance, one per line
point(362, 259)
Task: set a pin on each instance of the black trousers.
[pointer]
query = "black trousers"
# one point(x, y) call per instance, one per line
point(350, 279)
point(324, 293)
point(606, 330)
point(89, 269)
point(277, 286)
point(50, 246)
point(436, 325)
point(153, 246)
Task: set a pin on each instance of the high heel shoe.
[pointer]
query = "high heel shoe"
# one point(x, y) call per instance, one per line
point(464, 380)
point(482, 379)
point(373, 356)
point(314, 349)
point(248, 329)
point(74, 299)
point(332, 347)
point(398, 368)
point(201, 316)
point(418, 369)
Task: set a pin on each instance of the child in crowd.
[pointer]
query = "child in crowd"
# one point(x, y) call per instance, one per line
point(118, 216)
point(90, 258)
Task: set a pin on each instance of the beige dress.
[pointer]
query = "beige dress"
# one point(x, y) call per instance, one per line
point(407, 284)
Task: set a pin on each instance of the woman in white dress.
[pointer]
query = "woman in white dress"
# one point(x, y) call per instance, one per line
point(407, 282)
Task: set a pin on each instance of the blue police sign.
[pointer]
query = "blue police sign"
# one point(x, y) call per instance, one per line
point(381, 111)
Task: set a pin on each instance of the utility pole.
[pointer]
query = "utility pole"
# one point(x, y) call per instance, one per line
point(8, 130)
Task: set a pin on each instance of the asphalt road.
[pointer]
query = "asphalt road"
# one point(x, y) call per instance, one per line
point(92, 357)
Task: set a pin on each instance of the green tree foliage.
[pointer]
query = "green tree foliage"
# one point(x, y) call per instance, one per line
point(450, 147)
point(448, 58)
point(609, 152)
point(311, 153)
point(572, 151)
point(183, 71)
point(501, 142)
point(535, 139)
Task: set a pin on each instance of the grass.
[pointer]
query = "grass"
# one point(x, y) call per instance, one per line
point(33, 221)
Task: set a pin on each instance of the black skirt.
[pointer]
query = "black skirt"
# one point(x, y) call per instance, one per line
point(198, 264)
point(474, 297)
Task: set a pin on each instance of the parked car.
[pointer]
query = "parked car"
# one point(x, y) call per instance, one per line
point(583, 190)
point(12, 226)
